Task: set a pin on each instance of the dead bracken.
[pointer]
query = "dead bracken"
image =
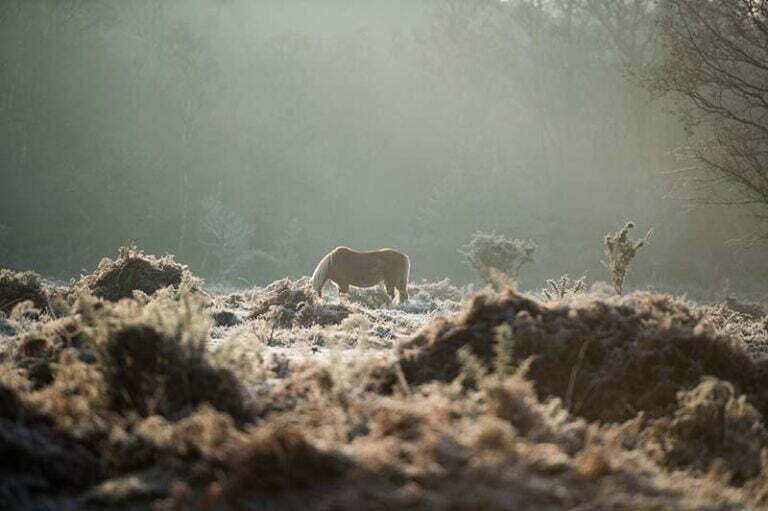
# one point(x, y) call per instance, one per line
point(134, 271)
point(641, 402)
point(610, 358)
point(16, 288)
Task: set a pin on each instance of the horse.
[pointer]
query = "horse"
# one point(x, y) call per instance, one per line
point(346, 267)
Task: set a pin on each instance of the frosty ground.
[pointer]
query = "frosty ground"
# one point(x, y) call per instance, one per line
point(138, 386)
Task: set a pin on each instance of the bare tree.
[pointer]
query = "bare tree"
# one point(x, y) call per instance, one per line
point(715, 64)
point(628, 24)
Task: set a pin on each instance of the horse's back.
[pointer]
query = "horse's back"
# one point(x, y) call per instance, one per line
point(387, 253)
point(367, 266)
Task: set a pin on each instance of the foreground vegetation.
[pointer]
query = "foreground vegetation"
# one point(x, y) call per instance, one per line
point(135, 386)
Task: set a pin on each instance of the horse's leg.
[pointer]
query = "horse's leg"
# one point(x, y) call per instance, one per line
point(320, 291)
point(390, 290)
point(402, 290)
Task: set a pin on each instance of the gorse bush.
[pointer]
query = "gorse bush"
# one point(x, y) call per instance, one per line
point(491, 253)
point(619, 251)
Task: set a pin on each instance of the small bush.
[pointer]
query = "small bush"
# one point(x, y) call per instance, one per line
point(619, 251)
point(488, 253)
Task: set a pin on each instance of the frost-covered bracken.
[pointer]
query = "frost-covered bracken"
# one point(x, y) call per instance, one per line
point(276, 397)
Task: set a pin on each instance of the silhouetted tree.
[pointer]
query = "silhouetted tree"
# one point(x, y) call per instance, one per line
point(715, 62)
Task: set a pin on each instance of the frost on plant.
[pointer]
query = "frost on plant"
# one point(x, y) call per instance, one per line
point(490, 254)
point(563, 287)
point(619, 251)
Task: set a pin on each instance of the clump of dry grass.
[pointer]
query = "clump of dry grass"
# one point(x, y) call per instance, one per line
point(610, 359)
point(225, 318)
point(711, 426)
point(286, 305)
point(18, 287)
point(751, 310)
point(135, 271)
point(153, 357)
point(442, 290)
point(369, 297)
point(38, 350)
point(8, 327)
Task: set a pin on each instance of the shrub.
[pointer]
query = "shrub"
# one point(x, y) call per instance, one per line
point(489, 253)
point(620, 250)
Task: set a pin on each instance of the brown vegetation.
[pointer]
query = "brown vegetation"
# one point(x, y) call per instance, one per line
point(285, 306)
point(16, 288)
point(131, 405)
point(134, 271)
point(608, 359)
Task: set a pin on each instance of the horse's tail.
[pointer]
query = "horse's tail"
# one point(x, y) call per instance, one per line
point(320, 275)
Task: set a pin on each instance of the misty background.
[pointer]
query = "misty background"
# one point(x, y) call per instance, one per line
point(251, 137)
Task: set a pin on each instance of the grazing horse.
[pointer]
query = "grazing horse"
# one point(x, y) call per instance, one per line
point(346, 267)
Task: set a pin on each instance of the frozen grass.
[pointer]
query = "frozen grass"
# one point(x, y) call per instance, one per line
point(272, 398)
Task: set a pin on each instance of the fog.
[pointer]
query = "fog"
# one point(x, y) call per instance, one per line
point(248, 138)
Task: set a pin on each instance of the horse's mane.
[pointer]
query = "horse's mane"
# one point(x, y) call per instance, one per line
point(321, 272)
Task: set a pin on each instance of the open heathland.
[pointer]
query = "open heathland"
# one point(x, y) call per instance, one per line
point(133, 388)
